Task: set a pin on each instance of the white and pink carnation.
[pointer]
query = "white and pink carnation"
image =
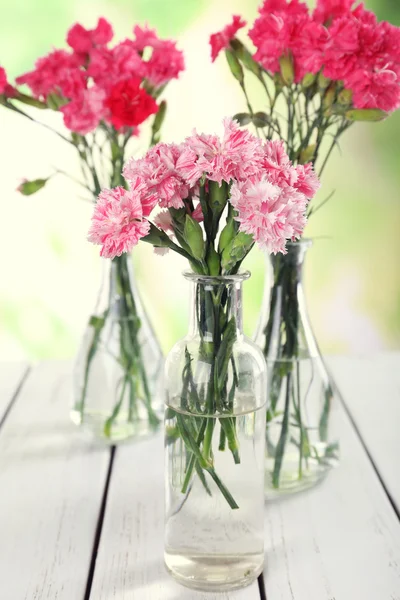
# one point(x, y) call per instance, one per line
point(271, 214)
point(117, 221)
point(158, 168)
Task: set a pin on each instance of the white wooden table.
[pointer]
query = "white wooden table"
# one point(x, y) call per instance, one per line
point(80, 522)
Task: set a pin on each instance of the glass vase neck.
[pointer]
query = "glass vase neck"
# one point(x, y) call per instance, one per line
point(295, 255)
point(214, 302)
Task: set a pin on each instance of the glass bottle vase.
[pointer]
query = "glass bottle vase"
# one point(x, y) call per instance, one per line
point(214, 443)
point(118, 371)
point(300, 445)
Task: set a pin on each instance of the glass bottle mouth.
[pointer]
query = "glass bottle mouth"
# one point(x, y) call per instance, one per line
point(216, 279)
point(301, 243)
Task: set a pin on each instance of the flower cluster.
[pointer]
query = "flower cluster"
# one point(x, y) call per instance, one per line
point(197, 179)
point(345, 43)
point(93, 81)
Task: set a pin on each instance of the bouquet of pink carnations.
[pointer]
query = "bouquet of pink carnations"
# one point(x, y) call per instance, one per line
point(209, 199)
point(104, 93)
point(320, 71)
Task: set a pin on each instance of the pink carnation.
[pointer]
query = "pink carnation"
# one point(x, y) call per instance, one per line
point(270, 214)
point(221, 40)
point(145, 37)
point(375, 89)
point(5, 87)
point(58, 72)
point(287, 29)
point(236, 156)
point(307, 182)
point(117, 221)
point(82, 40)
point(165, 63)
point(108, 67)
point(365, 55)
point(83, 114)
point(165, 184)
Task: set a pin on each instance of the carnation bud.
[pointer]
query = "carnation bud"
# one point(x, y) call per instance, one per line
point(323, 82)
point(366, 114)
point(193, 235)
point(242, 118)
point(329, 97)
point(260, 119)
point(218, 196)
point(308, 80)
point(27, 188)
point(227, 235)
point(287, 70)
point(245, 57)
point(307, 154)
point(213, 262)
point(345, 98)
point(236, 250)
point(234, 65)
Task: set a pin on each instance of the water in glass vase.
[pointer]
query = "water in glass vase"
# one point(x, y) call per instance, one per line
point(214, 520)
point(298, 453)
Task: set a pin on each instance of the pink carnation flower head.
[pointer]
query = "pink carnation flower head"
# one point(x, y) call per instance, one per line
point(222, 39)
point(166, 63)
point(82, 40)
point(83, 114)
point(286, 29)
point(270, 214)
point(117, 221)
point(236, 156)
point(58, 72)
point(165, 184)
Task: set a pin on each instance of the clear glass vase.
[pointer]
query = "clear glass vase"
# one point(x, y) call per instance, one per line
point(214, 441)
point(300, 449)
point(118, 389)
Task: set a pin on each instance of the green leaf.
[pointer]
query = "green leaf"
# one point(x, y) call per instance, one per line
point(236, 250)
point(193, 235)
point(157, 237)
point(227, 235)
point(28, 100)
point(27, 188)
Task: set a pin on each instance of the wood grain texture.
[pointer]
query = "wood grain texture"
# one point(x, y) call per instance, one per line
point(341, 540)
point(370, 387)
point(51, 486)
point(11, 375)
point(130, 565)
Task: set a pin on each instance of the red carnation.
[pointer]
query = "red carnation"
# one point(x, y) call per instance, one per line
point(129, 104)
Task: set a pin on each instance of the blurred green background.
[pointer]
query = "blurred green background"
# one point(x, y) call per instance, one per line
point(50, 275)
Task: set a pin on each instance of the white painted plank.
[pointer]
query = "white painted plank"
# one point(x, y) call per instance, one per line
point(11, 375)
point(51, 486)
point(340, 541)
point(370, 387)
point(130, 565)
